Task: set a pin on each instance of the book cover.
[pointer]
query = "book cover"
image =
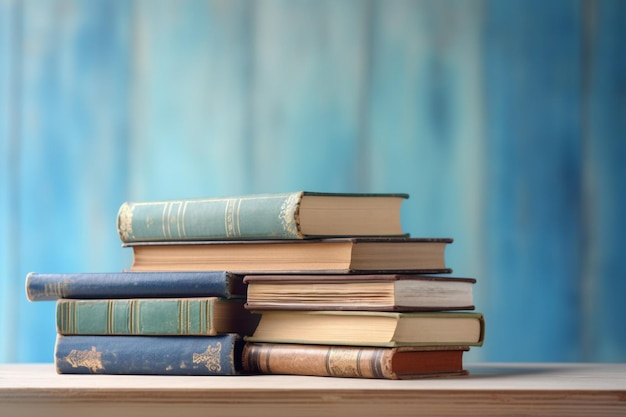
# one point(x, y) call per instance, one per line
point(42, 287)
point(370, 328)
point(148, 355)
point(294, 215)
point(379, 292)
point(200, 316)
point(353, 361)
point(340, 255)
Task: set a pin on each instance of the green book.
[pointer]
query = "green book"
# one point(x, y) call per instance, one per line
point(206, 316)
point(295, 215)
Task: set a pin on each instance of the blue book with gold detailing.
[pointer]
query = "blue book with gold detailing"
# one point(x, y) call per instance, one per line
point(149, 355)
point(105, 285)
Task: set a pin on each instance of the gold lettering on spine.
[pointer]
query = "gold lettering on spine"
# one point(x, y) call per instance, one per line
point(209, 358)
point(91, 359)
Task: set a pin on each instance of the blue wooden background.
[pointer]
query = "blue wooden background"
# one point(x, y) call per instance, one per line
point(504, 120)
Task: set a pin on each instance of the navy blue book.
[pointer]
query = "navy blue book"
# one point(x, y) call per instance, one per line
point(41, 287)
point(149, 355)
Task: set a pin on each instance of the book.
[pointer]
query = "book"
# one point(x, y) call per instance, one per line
point(328, 255)
point(353, 361)
point(381, 292)
point(106, 285)
point(294, 215)
point(148, 355)
point(201, 316)
point(370, 328)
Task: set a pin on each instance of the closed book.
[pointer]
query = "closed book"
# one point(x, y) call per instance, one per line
point(201, 316)
point(370, 328)
point(340, 255)
point(294, 215)
point(353, 361)
point(148, 355)
point(381, 292)
point(105, 285)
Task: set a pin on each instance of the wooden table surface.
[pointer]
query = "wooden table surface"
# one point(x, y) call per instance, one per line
point(490, 389)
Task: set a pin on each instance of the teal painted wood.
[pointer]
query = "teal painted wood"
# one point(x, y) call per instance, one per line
point(191, 99)
point(503, 120)
point(309, 69)
point(533, 231)
point(425, 122)
point(604, 285)
point(9, 183)
point(73, 147)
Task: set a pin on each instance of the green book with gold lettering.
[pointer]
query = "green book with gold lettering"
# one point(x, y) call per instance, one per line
point(206, 316)
point(295, 215)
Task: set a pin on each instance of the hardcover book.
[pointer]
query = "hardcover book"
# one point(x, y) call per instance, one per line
point(295, 215)
point(381, 292)
point(370, 328)
point(353, 361)
point(341, 255)
point(107, 285)
point(148, 355)
point(206, 316)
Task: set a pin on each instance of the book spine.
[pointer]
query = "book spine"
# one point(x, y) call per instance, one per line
point(148, 355)
point(251, 217)
point(160, 316)
point(42, 287)
point(318, 360)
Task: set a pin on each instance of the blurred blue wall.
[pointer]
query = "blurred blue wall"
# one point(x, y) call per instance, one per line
point(504, 120)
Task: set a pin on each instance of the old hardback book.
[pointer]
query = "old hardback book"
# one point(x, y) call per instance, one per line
point(294, 215)
point(149, 355)
point(200, 316)
point(353, 361)
point(370, 328)
point(383, 292)
point(106, 285)
point(329, 255)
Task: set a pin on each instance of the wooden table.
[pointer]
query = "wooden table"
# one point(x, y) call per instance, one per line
point(490, 389)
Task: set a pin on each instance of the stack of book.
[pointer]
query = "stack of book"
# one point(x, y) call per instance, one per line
point(169, 323)
point(392, 326)
point(334, 287)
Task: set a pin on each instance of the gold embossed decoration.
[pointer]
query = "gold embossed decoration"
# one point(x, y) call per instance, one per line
point(288, 212)
point(340, 362)
point(91, 359)
point(229, 217)
point(210, 358)
point(125, 222)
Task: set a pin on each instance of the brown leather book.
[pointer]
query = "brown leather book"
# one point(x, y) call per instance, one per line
point(353, 361)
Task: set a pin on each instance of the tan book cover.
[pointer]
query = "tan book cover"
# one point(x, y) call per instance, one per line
point(340, 255)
